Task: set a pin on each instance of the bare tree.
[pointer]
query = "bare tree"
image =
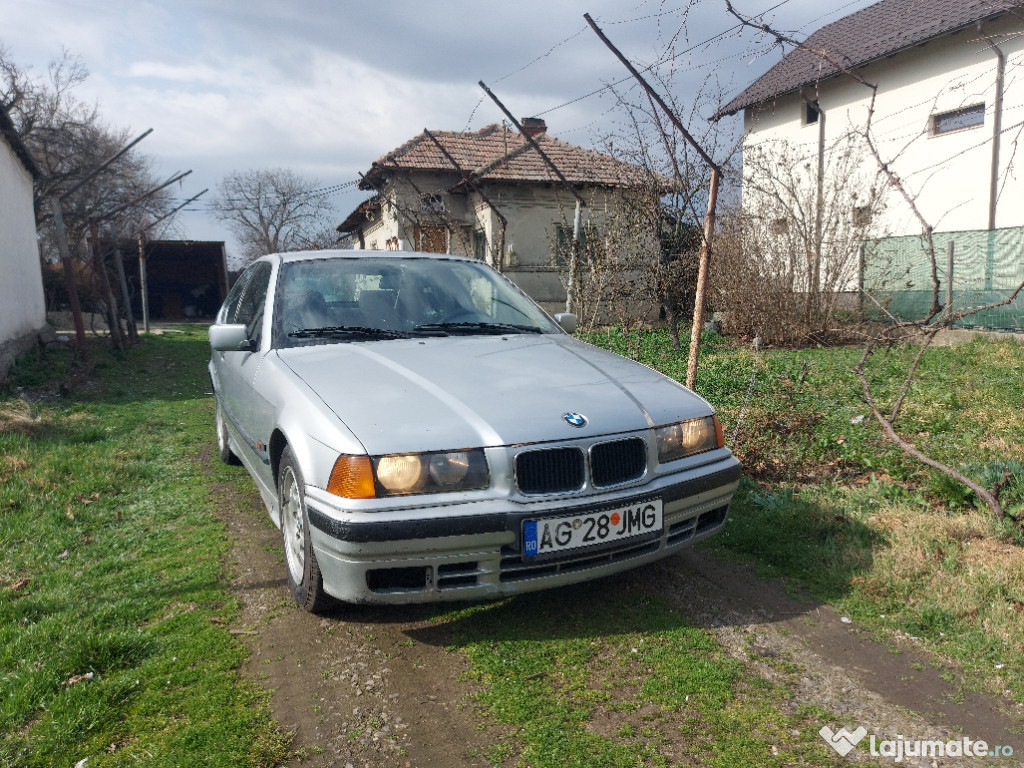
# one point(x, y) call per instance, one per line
point(274, 210)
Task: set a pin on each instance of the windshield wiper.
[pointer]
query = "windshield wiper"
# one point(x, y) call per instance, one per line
point(350, 331)
point(478, 327)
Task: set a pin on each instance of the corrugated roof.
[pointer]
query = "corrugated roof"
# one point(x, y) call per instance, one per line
point(496, 153)
point(872, 33)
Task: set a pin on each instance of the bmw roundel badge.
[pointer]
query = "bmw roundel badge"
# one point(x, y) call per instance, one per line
point(575, 419)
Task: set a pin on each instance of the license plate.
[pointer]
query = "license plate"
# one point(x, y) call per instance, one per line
point(555, 534)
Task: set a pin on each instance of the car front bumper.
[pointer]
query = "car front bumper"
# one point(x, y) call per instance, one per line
point(474, 550)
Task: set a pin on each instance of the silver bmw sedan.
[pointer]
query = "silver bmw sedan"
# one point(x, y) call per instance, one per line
point(420, 430)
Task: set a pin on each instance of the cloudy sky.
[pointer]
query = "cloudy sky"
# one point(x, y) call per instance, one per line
point(325, 87)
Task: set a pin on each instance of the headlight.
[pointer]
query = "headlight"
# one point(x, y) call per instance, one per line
point(401, 473)
point(437, 472)
point(447, 469)
point(688, 437)
point(398, 474)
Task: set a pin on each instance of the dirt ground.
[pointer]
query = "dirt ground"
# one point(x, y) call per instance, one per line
point(375, 686)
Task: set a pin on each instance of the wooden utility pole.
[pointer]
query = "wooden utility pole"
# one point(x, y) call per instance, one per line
point(69, 276)
point(133, 331)
point(709, 219)
point(100, 267)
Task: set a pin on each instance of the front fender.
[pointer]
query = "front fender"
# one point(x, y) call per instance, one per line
point(302, 420)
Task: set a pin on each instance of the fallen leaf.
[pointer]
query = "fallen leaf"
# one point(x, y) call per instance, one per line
point(63, 555)
point(78, 678)
point(19, 584)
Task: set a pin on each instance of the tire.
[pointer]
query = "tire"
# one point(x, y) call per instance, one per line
point(304, 578)
point(223, 441)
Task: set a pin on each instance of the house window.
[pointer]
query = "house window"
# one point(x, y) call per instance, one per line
point(958, 119)
point(862, 216)
point(779, 226)
point(480, 245)
point(811, 112)
point(431, 203)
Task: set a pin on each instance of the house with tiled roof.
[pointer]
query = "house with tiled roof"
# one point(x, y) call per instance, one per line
point(938, 85)
point(491, 195)
point(22, 303)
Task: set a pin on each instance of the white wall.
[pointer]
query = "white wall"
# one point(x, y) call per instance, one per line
point(948, 175)
point(22, 305)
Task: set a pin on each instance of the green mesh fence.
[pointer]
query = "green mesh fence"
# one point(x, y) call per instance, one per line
point(987, 266)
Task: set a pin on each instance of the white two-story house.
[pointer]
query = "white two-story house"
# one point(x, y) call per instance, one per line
point(903, 116)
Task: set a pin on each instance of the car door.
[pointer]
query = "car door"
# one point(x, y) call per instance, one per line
point(237, 369)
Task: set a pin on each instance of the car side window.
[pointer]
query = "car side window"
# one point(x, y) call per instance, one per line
point(249, 310)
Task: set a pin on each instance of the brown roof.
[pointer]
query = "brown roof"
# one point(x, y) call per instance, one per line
point(870, 34)
point(496, 153)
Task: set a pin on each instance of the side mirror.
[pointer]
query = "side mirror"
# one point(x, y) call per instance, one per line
point(230, 338)
point(567, 320)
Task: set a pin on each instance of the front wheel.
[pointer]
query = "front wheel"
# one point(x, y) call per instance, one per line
point(304, 578)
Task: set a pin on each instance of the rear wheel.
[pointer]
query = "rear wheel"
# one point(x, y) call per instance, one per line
point(223, 441)
point(304, 578)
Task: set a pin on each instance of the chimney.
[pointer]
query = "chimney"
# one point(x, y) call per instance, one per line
point(534, 126)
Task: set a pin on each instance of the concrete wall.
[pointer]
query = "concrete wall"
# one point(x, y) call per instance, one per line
point(947, 174)
point(22, 304)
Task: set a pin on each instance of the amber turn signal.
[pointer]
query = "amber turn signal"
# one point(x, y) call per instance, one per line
point(352, 478)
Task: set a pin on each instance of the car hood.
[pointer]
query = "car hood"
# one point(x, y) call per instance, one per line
point(462, 392)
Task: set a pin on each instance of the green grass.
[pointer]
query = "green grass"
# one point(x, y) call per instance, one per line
point(113, 602)
point(833, 506)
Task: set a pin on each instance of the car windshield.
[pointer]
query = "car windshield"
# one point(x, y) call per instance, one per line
point(366, 298)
